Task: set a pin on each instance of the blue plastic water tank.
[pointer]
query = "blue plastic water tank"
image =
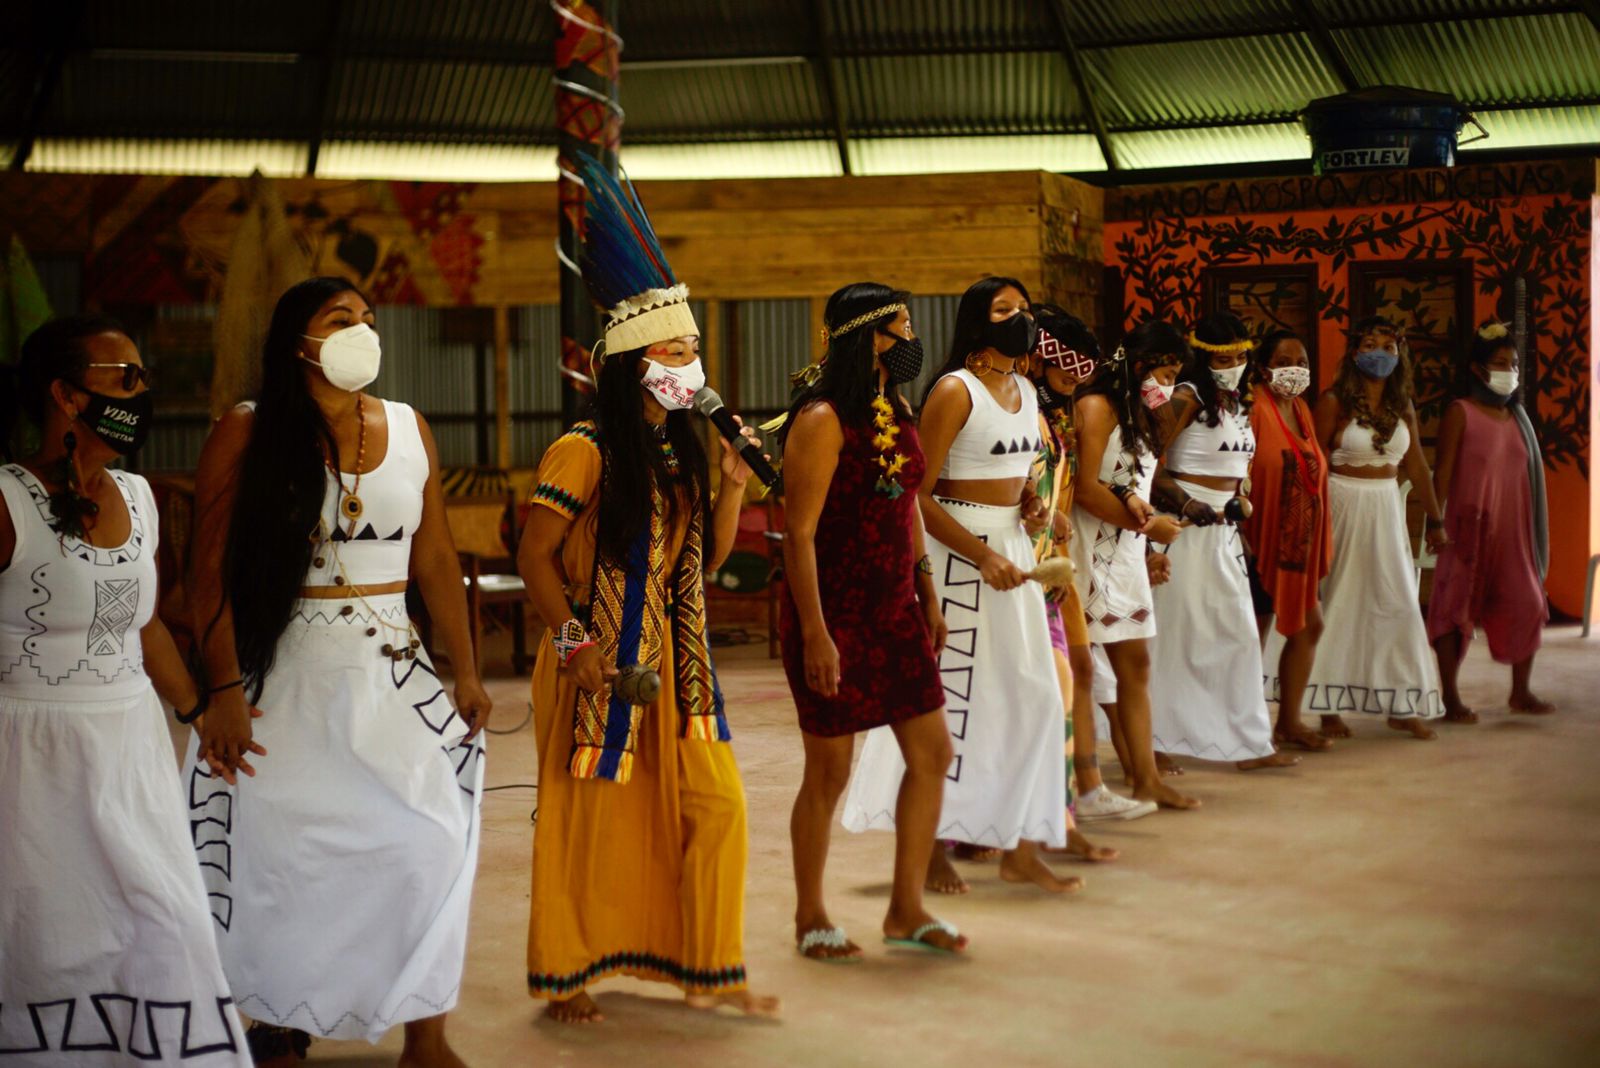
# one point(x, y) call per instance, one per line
point(1385, 126)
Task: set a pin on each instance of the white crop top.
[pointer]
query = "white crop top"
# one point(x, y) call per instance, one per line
point(1223, 451)
point(1357, 450)
point(391, 510)
point(71, 612)
point(994, 443)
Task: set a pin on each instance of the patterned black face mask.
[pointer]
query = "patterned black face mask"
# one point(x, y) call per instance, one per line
point(903, 361)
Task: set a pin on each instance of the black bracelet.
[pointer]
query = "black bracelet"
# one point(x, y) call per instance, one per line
point(226, 686)
point(1121, 492)
point(195, 713)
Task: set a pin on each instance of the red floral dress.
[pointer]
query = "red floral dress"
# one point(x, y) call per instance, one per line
point(866, 574)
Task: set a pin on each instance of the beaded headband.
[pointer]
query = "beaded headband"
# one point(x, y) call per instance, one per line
point(859, 321)
point(1231, 348)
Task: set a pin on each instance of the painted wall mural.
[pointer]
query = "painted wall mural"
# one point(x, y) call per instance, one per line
point(1317, 253)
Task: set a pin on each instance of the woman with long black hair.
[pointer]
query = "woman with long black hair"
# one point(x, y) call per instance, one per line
point(1374, 657)
point(341, 873)
point(639, 850)
point(1006, 788)
point(100, 898)
point(861, 624)
point(1206, 699)
point(1121, 421)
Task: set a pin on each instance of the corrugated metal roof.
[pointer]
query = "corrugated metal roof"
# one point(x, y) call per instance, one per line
point(1208, 81)
point(276, 159)
point(1132, 20)
point(943, 155)
point(386, 99)
point(723, 87)
point(1506, 60)
point(163, 96)
point(942, 25)
point(766, 100)
point(1212, 145)
point(1019, 92)
point(1541, 126)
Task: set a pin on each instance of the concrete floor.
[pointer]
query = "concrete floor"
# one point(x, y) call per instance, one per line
point(1389, 903)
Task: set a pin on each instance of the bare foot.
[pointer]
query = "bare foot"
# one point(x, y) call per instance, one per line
point(579, 1009)
point(1334, 727)
point(1413, 726)
point(1276, 760)
point(1165, 796)
point(1080, 847)
point(968, 851)
point(744, 1001)
point(1167, 766)
point(1456, 712)
point(1024, 866)
point(902, 927)
point(838, 947)
point(942, 875)
point(1301, 737)
point(1528, 705)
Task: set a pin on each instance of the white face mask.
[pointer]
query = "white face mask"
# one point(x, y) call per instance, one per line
point(1503, 382)
point(1290, 381)
point(674, 387)
point(1153, 393)
point(349, 357)
point(1229, 379)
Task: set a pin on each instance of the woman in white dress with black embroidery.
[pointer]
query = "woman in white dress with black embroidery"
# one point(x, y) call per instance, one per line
point(107, 956)
point(340, 874)
point(1205, 660)
point(1006, 787)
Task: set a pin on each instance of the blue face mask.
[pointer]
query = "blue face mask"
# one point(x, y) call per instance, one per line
point(1379, 363)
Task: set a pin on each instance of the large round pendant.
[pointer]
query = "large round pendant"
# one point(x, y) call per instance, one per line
point(351, 506)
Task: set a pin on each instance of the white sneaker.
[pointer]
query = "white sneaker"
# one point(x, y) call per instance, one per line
point(1106, 805)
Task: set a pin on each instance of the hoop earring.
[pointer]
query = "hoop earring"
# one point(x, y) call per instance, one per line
point(979, 364)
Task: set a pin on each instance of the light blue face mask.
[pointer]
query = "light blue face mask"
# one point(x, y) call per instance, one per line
point(1379, 363)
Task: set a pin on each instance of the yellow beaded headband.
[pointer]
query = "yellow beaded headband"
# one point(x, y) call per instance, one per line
point(860, 320)
point(1232, 348)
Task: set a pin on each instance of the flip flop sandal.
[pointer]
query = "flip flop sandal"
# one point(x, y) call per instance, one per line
point(916, 941)
point(826, 938)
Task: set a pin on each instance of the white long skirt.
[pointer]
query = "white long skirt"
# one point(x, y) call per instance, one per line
point(340, 875)
point(1374, 655)
point(1205, 660)
point(1008, 779)
point(107, 955)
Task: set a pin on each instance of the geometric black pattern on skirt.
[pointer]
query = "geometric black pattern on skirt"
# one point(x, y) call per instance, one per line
point(53, 1028)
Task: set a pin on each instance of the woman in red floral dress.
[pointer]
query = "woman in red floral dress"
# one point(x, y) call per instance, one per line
point(861, 624)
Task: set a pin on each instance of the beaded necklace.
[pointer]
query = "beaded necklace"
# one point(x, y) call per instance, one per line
point(890, 459)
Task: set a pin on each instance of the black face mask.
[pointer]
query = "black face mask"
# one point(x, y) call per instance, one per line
point(903, 360)
point(1049, 399)
point(1012, 337)
point(122, 423)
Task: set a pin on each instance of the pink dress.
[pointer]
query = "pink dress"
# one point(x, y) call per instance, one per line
point(1487, 575)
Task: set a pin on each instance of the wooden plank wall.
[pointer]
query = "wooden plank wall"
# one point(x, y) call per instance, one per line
point(491, 244)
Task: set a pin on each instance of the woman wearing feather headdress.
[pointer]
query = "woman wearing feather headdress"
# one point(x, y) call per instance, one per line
point(640, 846)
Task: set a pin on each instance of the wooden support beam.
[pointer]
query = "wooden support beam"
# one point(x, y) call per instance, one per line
point(325, 60)
point(828, 82)
point(502, 386)
point(60, 26)
point(1322, 37)
point(1069, 52)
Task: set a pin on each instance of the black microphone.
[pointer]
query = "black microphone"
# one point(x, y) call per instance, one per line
point(712, 408)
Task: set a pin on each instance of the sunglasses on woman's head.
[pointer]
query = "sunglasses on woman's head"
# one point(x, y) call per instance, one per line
point(132, 373)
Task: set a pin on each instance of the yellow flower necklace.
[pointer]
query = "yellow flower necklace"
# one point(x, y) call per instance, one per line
point(890, 460)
